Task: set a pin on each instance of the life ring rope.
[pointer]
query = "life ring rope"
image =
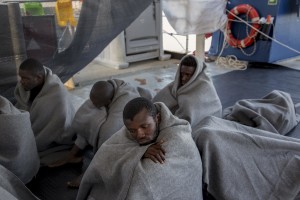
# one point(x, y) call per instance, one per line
point(254, 17)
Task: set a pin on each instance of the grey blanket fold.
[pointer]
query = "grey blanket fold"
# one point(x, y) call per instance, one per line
point(193, 101)
point(274, 112)
point(117, 171)
point(51, 114)
point(242, 162)
point(87, 122)
point(94, 126)
point(12, 188)
point(124, 92)
point(18, 151)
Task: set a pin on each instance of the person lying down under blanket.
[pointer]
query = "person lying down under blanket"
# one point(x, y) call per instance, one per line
point(245, 162)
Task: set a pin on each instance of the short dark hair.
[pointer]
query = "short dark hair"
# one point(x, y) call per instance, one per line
point(32, 65)
point(102, 89)
point(189, 60)
point(136, 105)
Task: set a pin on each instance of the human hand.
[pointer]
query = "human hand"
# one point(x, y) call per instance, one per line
point(156, 152)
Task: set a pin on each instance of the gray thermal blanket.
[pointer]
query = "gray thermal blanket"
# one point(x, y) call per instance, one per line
point(124, 92)
point(193, 101)
point(12, 188)
point(18, 151)
point(51, 114)
point(118, 171)
point(242, 162)
point(144, 92)
point(86, 124)
point(274, 112)
point(94, 126)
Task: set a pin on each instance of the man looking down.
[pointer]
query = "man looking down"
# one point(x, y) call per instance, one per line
point(152, 150)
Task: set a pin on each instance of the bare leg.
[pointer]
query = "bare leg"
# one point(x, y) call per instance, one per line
point(76, 182)
point(74, 156)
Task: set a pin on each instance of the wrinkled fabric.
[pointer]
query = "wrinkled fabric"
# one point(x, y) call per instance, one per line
point(18, 151)
point(12, 188)
point(124, 92)
point(51, 114)
point(98, 24)
point(242, 162)
point(274, 112)
point(119, 172)
point(94, 125)
point(193, 101)
point(86, 124)
point(195, 16)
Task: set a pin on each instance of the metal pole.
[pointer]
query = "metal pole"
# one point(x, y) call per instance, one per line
point(187, 44)
point(200, 50)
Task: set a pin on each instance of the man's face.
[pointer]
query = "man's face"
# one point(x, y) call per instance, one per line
point(186, 72)
point(143, 128)
point(28, 80)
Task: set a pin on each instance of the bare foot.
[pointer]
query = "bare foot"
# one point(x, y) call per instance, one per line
point(67, 160)
point(75, 183)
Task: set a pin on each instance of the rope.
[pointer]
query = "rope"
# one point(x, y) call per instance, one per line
point(230, 61)
point(172, 34)
point(273, 39)
point(247, 32)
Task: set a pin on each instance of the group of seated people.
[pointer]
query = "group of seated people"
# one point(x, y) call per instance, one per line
point(179, 144)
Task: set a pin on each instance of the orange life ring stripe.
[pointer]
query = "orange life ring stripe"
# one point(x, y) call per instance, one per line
point(253, 15)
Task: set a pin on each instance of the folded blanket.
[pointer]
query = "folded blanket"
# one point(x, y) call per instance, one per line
point(51, 114)
point(12, 188)
point(275, 112)
point(193, 101)
point(119, 172)
point(241, 162)
point(18, 152)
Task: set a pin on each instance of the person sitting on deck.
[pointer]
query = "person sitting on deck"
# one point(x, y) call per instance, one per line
point(98, 119)
point(152, 150)
point(18, 152)
point(42, 93)
point(192, 95)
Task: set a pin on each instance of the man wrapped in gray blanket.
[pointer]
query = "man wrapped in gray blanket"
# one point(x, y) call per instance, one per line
point(18, 152)
point(44, 96)
point(246, 158)
point(242, 162)
point(98, 119)
point(274, 112)
point(192, 95)
point(152, 157)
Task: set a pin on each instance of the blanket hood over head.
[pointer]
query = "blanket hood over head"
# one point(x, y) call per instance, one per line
point(193, 101)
